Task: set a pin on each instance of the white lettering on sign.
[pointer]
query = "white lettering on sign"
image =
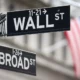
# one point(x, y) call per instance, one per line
point(59, 16)
point(30, 23)
point(16, 60)
point(2, 61)
point(20, 23)
point(38, 23)
point(47, 22)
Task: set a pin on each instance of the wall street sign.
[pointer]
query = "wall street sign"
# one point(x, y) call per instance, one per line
point(37, 21)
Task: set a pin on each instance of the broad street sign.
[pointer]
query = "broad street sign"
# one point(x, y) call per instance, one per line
point(36, 21)
point(17, 60)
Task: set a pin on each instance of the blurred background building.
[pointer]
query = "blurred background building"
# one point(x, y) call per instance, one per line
point(54, 59)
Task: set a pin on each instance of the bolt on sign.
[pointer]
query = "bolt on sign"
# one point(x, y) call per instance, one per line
point(35, 21)
point(17, 60)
